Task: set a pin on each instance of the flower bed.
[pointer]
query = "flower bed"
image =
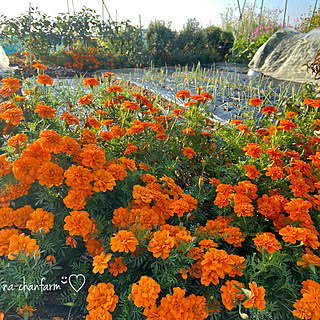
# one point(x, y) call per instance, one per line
point(136, 211)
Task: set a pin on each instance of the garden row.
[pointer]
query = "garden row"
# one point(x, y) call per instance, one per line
point(85, 42)
point(166, 214)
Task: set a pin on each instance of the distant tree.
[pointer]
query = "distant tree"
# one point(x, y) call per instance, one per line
point(160, 38)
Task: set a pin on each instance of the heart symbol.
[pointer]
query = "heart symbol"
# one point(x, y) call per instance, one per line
point(77, 276)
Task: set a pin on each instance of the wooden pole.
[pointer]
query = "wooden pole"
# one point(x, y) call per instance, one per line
point(74, 13)
point(106, 9)
point(251, 18)
point(30, 50)
point(68, 6)
point(285, 13)
point(261, 10)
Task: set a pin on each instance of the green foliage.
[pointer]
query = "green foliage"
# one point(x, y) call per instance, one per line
point(244, 50)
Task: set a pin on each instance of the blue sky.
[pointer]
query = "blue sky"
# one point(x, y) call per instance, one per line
point(207, 12)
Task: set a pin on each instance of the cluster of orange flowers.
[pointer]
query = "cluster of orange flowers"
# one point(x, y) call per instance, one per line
point(12, 240)
point(239, 196)
point(175, 306)
point(92, 59)
point(101, 301)
point(308, 307)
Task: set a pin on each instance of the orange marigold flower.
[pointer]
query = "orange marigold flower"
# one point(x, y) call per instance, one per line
point(40, 220)
point(269, 109)
point(253, 150)
point(45, 111)
point(39, 66)
point(252, 172)
point(291, 114)
point(298, 210)
point(256, 298)
point(93, 122)
point(22, 216)
point(243, 128)
point(309, 260)
point(86, 100)
point(51, 140)
point(312, 102)
point(44, 79)
point(286, 125)
point(106, 135)
point(231, 293)
point(25, 169)
point(145, 293)
point(308, 306)
point(293, 234)
point(255, 102)
point(183, 94)
point(131, 148)
point(174, 306)
point(188, 131)
point(117, 267)
point(117, 89)
point(7, 217)
point(189, 152)
point(161, 244)
point(224, 192)
point(117, 171)
point(93, 156)
point(77, 198)
point(214, 181)
point(100, 262)
point(50, 174)
point(70, 146)
point(123, 241)
point(128, 163)
point(144, 166)
point(12, 116)
point(77, 176)
point(275, 173)
point(206, 95)
point(26, 310)
point(78, 223)
point(270, 207)
point(102, 296)
point(51, 259)
point(268, 241)
point(5, 166)
point(130, 105)
point(90, 82)
point(9, 86)
point(148, 178)
point(103, 180)
point(217, 264)
point(35, 150)
point(118, 131)
point(236, 122)
point(71, 241)
point(108, 74)
point(18, 140)
point(5, 235)
point(22, 244)
point(71, 119)
point(177, 112)
point(87, 136)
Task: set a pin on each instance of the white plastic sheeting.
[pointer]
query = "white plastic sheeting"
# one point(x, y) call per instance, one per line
point(4, 63)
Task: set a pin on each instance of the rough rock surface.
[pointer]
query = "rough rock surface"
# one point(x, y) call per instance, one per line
point(283, 56)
